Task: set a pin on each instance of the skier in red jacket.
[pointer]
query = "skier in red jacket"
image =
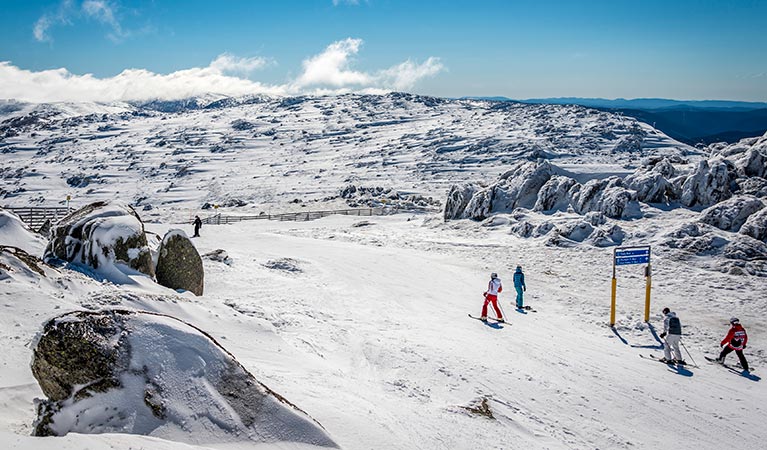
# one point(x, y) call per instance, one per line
point(736, 340)
point(494, 287)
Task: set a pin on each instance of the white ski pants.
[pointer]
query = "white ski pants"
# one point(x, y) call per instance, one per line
point(672, 344)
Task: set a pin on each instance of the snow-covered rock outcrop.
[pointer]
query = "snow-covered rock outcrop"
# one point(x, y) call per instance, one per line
point(556, 194)
point(652, 184)
point(458, 199)
point(756, 225)
point(100, 235)
point(709, 183)
point(117, 371)
point(731, 214)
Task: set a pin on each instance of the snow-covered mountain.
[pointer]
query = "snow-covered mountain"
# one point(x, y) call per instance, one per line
point(362, 324)
point(266, 152)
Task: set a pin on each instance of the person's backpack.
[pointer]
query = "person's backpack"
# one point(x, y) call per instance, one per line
point(674, 326)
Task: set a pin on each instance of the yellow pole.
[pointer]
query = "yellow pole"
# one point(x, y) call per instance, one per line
point(648, 286)
point(612, 304)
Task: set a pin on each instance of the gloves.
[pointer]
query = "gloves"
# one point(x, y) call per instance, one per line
point(524, 288)
point(662, 335)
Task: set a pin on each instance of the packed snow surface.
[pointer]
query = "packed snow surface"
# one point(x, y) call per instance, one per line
point(366, 329)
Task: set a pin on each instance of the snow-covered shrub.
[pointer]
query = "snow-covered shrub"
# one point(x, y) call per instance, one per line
point(100, 235)
point(117, 371)
point(731, 214)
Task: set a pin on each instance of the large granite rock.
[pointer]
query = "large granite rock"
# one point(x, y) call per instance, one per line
point(118, 371)
point(99, 235)
point(179, 265)
point(731, 214)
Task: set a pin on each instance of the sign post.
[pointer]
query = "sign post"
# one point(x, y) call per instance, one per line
point(631, 255)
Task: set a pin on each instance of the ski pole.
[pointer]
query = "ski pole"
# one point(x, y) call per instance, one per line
point(688, 353)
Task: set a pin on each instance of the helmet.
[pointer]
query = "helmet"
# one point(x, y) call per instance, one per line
point(493, 275)
point(666, 310)
point(734, 320)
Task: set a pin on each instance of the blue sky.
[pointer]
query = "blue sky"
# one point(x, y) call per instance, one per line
point(520, 49)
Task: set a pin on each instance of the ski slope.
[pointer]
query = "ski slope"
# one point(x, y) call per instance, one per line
point(364, 325)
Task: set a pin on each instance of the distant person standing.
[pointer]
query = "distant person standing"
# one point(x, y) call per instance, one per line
point(197, 225)
point(672, 333)
point(519, 285)
point(735, 341)
point(494, 287)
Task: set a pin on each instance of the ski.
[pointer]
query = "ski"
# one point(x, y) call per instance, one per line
point(524, 309)
point(734, 369)
point(489, 319)
point(670, 363)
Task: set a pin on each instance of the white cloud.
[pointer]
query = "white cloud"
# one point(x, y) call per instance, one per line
point(405, 75)
point(42, 26)
point(103, 12)
point(40, 29)
point(228, 63)
point(331, 67)
point(345, 2)
point(327, 73)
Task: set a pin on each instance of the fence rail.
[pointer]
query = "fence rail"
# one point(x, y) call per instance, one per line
point(220, 219)
point(36, 216)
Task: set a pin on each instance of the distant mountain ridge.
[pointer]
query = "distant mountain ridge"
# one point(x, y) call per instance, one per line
point(690, 121)
point(636, 103)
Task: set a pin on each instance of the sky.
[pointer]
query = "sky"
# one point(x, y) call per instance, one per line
point(112, 50)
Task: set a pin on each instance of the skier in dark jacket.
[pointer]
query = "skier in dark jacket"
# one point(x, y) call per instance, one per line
point(672, 335)
point(197, 225)
point(735, 340)
point(519, 285)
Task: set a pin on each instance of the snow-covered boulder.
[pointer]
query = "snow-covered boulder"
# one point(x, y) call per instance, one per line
point(100, 235)
point(607, 195)
point(218, 255)
point(13, 232)
point(577, 231)
point(756, 225)
point(731, 214)
point(179, 265)
point(753, 185)
point(457, 200)
point(519, 186)
point(555, 195)
point(607, 236)
point(708, 184)
point(652, 184)
point(695, 238)
point(753, 162)
point(117, 371)
point(480, 205)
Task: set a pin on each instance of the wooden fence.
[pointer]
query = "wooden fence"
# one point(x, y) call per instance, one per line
point(35, 216)
point(220, 219)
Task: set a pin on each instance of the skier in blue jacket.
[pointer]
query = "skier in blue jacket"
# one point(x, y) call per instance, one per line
point(519, 285)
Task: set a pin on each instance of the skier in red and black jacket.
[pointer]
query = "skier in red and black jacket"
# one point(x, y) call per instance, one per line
point(736, 340)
